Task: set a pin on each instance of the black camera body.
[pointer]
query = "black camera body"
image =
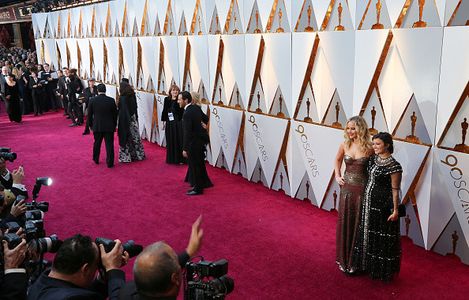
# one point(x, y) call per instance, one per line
point(130, 246)
point(207, 280)
point(12, 240)
point(6, 154)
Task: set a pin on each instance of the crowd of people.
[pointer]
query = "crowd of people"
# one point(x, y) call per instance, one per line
point(368, 234)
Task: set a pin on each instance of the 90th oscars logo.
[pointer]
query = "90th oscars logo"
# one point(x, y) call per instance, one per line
point(258, 136)
point(221, 130)
point(307, 150)
point(459, 184)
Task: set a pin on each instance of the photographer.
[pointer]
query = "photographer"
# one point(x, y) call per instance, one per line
point(74, 269)
point(14, 283)
point(157, 270)
point(17, 210)
point(12, 180)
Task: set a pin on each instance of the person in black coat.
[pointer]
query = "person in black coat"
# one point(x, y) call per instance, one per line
point(62, 92)
point(75, 87)
point(194, 142)
point(74, 268)
point(102, 114)
point(50, 84)
point(172, 122)
point(88, 93)
point(37, 92)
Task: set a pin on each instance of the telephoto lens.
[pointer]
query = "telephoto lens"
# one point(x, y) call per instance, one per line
point(130, 246)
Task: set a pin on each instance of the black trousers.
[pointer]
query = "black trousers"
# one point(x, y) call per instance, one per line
point(109, 141)
point(37, 103)
point(77, 111)
point(196, 162)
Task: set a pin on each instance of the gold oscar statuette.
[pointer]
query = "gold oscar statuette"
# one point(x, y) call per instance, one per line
point(204, 99)
point(378, 25)
point(258, 109)
point(463, 147)
point(280, 103)
point(200, 26)
point(412, 137)
point(340, 27)
point(280, 15)
point(308, 108)
point(372, 130)
point(257, 30)
point(218, 26)
point(237, 99)
point(220, 102)
point(235, 30)
point(309, 12)
point(420, 23)
point(337, 124)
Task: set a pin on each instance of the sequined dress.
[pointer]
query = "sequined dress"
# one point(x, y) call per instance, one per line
point(379, 241)
point(351, 195)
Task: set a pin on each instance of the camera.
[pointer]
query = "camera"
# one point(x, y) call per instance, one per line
point(34, 229)
point(130, 246)
point(12, 240)
point(207, 280)
point(6, 154)
point(50, 244)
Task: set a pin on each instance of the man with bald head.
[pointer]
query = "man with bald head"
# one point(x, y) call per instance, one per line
point(3, 77)
point(157, 270)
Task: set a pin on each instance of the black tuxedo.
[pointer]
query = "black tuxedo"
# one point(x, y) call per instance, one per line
point(37, 93)
point(13, 286)
point(89, 93)
point(49, 87)
point(75, 87)
point(63, 92)
point(47, 288)
point(195, 140)
point(102, 117)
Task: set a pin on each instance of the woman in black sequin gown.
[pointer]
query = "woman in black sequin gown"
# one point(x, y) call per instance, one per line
point(379, 242)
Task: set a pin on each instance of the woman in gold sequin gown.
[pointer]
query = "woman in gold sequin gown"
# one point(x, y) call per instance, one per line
point(354, 152)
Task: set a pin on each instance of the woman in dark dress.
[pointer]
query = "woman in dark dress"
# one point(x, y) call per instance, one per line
point(130, 142)
point(172, 118)
point(379, 241)
point(12, 96)
point(354, 151)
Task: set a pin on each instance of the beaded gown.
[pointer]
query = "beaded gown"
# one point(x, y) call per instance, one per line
point(379, 241)
point(351, 195)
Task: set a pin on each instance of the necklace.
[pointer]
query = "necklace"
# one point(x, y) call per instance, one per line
point(383, 161)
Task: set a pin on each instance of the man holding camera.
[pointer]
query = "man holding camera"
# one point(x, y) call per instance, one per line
point(74, 269)
point(157, 270)
point(12, 180)
point(14, 283)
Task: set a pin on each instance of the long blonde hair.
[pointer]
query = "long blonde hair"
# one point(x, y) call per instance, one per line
point(362, 133)
point(196, 98)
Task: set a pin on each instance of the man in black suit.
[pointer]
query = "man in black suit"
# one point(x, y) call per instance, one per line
point(62, 92)
point(195, 139)
point(102, 114)
point(14, 282)
point(89, 92)
point(74, 270)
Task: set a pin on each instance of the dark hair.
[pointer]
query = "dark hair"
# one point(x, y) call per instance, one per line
point(101, 88)
point(186, 96)
point(156, 278)
point(125, 89)
point(387, 140)
point(74, 253)
point(124, 80)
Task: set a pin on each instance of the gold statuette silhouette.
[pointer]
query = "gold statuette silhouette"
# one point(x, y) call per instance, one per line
point(235, 30)
point(337, 124)
point(257, 30)
point(420, 23)
point(373, 130)
point(463, 147)
point(412, 137)
point(309, 28)
point(378, 25)
point(258, 109)
point(200, 26)
point(280, 102)
point(280, 15)
point(340, 27)
point(237, 100)
point(220, 102)
point(308, 109)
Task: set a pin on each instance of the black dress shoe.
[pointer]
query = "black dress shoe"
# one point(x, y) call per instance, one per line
point(86, 132)
point(96, 161)
point(110, 166)
point(190, 190)
point(194, 192)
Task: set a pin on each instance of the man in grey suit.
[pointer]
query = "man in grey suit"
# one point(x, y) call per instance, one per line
point(102, 114)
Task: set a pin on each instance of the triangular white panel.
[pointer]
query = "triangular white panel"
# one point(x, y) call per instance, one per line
point(130, 59)
point(62, 44)
point(112, 46)
point(369, 46)
point(412, 114)
point(302, 46)
point(341, 63)
point(117, 14)
point(454, 134)
point(422, 70)
point(394, 8)
point(150, 62)
point(72, 46)
point(50, 52)
point(452, 166)
point(347, 19)
point(252, 53)
point(85, 56)
point(411, 157)
point(233, 68)
point(267, 134)
point(451, 241)
point(331, 200)
point(276, 70)
point(40, 20)
point(318, 157)
point(454, 72)
point(374, 108)
point(296, 167)
point(281, 180)
point(370, 18)
point(323, 83)
point(410, 226)
point(199, 60)
point(422, 193)
point(171, 65)
point(430, 14)
point(225, 125)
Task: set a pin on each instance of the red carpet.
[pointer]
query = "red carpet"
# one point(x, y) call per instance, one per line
point(277, 247)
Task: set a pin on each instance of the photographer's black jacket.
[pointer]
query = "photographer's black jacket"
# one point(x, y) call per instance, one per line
point(13, 286)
